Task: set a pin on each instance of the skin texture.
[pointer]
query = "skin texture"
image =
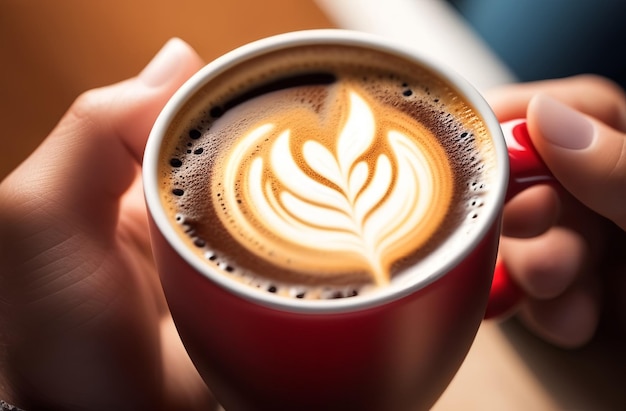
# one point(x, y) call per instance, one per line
point(83, 322)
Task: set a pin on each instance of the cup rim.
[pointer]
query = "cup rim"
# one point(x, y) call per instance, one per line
point(489, 213)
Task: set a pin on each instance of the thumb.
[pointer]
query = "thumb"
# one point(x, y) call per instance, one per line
point(585, 155)
point(91, 158)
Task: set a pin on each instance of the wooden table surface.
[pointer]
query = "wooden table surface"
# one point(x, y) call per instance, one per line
point(51, 51)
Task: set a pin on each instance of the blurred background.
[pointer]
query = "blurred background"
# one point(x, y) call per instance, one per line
point(51, 51)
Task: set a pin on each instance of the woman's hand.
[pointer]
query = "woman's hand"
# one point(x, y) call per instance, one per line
point(83, 322)
point(564, 248)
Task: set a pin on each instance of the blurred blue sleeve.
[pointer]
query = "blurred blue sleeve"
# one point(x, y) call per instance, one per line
point(540, 39)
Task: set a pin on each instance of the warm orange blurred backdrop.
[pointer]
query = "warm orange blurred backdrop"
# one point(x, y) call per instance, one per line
point(51, 51)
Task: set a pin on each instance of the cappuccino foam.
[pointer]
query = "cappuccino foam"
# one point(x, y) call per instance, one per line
point(322, 172)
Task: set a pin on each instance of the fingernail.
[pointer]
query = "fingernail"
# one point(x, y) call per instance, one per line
point(163, 65)
point(561, 125)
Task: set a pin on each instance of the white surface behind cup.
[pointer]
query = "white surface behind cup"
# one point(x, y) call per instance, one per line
point(432, 27)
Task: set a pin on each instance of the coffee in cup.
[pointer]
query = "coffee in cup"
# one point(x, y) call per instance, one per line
point(321, 164)
point(322, 172)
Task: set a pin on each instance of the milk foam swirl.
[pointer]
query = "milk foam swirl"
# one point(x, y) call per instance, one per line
point(354, 198)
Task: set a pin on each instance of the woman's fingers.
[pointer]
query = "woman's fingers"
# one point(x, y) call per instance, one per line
point(546, 265)
point(83, 327)
point(554, 270)
point(578, 127)
point(90, 159)
point(531, 213)
point(586, 156)
point(593, 95)
point(569, 321)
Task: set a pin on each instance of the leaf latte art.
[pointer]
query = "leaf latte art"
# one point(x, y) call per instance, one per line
point(352, 195)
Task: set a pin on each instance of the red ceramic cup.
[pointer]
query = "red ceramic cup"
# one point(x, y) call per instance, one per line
point(393, 349)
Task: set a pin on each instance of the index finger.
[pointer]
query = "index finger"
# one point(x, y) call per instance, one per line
point(593, 95)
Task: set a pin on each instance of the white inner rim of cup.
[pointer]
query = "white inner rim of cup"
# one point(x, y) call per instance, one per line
point(413, 278)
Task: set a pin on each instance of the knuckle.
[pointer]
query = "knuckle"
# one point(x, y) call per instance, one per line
point(614, 97)
point(85, 104)
point(600, 83)
point(90, 111)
